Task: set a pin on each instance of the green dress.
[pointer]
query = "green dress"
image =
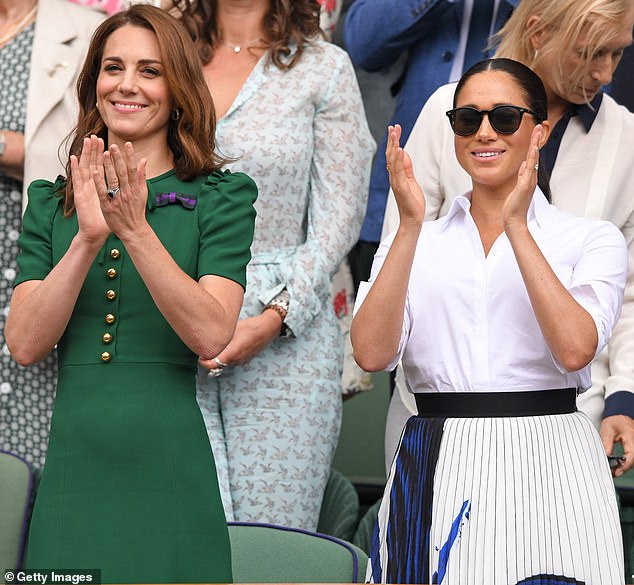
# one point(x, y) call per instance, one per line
point(129, 484)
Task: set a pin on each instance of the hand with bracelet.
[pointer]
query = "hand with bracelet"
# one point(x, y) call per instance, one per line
point(252, 335)
point(12, 154)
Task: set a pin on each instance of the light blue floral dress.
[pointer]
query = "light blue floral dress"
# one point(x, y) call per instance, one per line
point(302, 136)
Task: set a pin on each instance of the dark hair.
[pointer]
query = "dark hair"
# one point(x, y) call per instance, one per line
point(532, 89)
point(191, 137)
point(288, 24)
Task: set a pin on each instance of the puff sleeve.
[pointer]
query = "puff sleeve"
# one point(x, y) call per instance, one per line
point(226, 223)
point(35, 259)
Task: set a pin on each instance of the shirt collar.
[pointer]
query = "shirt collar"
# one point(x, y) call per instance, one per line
point(587, 112)
point(539, 210)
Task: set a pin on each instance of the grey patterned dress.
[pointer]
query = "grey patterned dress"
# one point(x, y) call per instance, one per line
point(26, 394)
point(274, 422)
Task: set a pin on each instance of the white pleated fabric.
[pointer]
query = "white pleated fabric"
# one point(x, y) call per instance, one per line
point(525, 500)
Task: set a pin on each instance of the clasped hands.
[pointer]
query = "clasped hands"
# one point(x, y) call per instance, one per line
point(96, 172)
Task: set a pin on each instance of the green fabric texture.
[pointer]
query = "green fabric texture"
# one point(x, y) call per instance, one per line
point(272, 554)
point(15, 488)
point(339, 513)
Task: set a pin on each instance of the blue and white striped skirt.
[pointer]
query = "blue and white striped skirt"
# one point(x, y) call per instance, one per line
point(501, 501)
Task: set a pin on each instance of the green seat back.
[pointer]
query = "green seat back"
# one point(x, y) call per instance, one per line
point(265, 553)
point(339, 513)
point(365, 530)
point(15, 495)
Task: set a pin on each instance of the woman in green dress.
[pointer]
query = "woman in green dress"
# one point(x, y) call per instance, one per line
point(134, 268)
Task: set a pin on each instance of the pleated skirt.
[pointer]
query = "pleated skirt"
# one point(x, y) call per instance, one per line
point(501, 501)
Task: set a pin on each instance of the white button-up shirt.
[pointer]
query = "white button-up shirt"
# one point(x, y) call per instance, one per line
point(468, 322)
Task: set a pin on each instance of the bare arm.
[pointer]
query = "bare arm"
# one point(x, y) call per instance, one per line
point(40, 310)
point(376, 328)
point(568, 328)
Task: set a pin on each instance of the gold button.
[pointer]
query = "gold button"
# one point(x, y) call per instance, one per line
point(107, 338)
point(110, 319)
point(114, 253)
point(111, 272)
point(105, 356)
point(111, 295)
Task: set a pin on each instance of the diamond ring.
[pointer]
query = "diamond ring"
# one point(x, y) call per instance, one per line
point(112, 193)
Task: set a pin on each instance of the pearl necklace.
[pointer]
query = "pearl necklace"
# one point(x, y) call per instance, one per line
point(237, 48)
point(19, 26)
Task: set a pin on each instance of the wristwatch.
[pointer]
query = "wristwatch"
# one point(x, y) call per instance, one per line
point(280, 303)
point(3, 143)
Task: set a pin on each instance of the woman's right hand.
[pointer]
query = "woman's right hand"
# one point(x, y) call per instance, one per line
point(92, 225)
point(407, 192)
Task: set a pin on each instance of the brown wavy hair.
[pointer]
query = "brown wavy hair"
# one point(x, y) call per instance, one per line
point(191, 137)
point(288, 24)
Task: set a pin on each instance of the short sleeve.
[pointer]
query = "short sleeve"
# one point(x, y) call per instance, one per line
point(227, 221)
point(35, 258)
point(599, 278)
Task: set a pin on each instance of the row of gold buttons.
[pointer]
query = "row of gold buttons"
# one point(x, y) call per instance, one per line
point(111, 295)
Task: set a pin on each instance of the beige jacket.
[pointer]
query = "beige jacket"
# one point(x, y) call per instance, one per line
point(62, 34)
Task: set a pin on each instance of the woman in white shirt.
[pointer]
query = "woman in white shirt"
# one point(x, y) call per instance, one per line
point(496, 311)
point(574, 46)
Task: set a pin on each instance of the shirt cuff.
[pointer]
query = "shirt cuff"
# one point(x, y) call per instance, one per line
point(621, 402)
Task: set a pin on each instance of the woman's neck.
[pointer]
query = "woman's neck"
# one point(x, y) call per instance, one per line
point(486, 211)
point(15, 16)
point(557, 106)
point(12, 10)
point(486, 203)
point(241, 21)
point(159, 158)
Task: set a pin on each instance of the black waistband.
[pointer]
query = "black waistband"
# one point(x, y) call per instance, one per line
point(495, 404)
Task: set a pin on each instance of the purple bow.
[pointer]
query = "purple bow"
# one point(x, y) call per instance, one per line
point(187, 201)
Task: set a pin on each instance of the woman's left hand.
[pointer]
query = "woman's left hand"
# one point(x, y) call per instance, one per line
point(251, 336)
point(125, 212)
point(517, 203)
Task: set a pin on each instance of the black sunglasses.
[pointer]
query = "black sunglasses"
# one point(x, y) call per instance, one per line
point(503, 119)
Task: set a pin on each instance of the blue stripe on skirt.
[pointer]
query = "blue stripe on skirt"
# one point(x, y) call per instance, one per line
point(411, 501)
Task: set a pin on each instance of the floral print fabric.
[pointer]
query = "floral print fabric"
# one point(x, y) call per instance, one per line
point(274, 423)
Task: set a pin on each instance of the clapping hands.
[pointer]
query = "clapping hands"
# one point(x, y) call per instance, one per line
point(407, 192)
point(517, 203)
point(109, 189)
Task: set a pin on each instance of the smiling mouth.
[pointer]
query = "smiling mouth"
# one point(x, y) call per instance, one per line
point(486, 154)
point(129, 107)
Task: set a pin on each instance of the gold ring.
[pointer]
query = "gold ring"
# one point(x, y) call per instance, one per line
point(536, 167)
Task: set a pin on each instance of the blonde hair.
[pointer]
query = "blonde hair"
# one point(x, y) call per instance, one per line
point(562, 22)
